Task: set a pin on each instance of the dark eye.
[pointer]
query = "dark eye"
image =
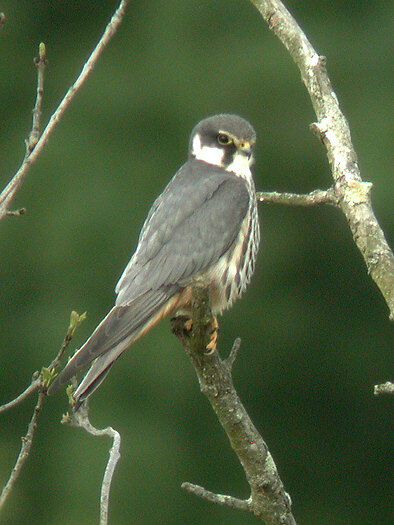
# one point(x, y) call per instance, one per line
point(224, 139)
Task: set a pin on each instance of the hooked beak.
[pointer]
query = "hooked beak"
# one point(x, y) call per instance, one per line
point(245, 147)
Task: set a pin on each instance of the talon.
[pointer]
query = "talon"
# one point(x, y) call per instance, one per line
point(188, 325)
point(181, 325)
point(211, 346)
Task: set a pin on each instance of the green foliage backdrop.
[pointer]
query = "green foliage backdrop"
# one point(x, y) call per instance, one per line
point(315, 330)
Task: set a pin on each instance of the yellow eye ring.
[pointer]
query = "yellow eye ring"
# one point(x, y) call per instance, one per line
point(224, 140)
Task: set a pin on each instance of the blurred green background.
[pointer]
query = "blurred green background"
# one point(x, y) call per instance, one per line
point(315, 329)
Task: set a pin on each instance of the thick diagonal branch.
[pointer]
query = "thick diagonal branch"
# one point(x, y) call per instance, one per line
point(353, 195)
point(268, 499)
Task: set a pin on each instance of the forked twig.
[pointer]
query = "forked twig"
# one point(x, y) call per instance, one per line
point(40, 382)
point(75, 321)
point(80, 419)
point(13, 186)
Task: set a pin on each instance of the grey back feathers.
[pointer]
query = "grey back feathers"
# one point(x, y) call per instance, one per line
point(189, 226)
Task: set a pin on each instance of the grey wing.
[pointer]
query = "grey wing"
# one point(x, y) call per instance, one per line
point(121, 326)
point(193, 222)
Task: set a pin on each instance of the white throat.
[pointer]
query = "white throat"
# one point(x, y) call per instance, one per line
point(241, 166)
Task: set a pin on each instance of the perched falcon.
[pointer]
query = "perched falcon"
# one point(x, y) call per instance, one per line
point(203, 226)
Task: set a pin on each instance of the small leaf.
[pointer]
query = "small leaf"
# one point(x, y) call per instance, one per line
point(42, 51)
point(66, 419)
point(75, 321)
point(48, 375)
point(70, 392)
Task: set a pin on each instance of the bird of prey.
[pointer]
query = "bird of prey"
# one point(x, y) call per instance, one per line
point(204, 226)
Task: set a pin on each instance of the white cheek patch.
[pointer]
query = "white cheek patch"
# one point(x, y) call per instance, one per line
point(207, 154)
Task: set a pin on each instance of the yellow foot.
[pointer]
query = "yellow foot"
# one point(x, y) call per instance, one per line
point(181, 325)
point(211, 346)
point(188, 325)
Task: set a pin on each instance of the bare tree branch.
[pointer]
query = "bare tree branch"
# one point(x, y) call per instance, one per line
point(16, 213)
point(27, 442)
point(220, 499)
point(40, 382)
point(233, 353)
point(13, 186)
point(384, 388)
point(34, 146)
point(352, 194)
point(268, 500)
point(40, 62)
point(80, 419)
point(33, 387)
point(75, 320)
point(37, 379)
point(295, 199)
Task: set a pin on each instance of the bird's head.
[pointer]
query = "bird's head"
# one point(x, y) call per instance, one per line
point(226, 141)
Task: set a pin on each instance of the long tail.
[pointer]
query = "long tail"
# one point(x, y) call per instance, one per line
point(123, 325)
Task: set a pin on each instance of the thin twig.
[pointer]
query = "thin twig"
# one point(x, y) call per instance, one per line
point(268, 500)
point(233, 353)
point(40, 62)
point(10, 190)
point(75, 320)
point(295, 199)
point(27, 442)
point(33, 387)
point(333, 130)
point(36, 384)
point(80, 419)
point(384, 388)
point(16, 213)
point(220, 499)
point(2, 19)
